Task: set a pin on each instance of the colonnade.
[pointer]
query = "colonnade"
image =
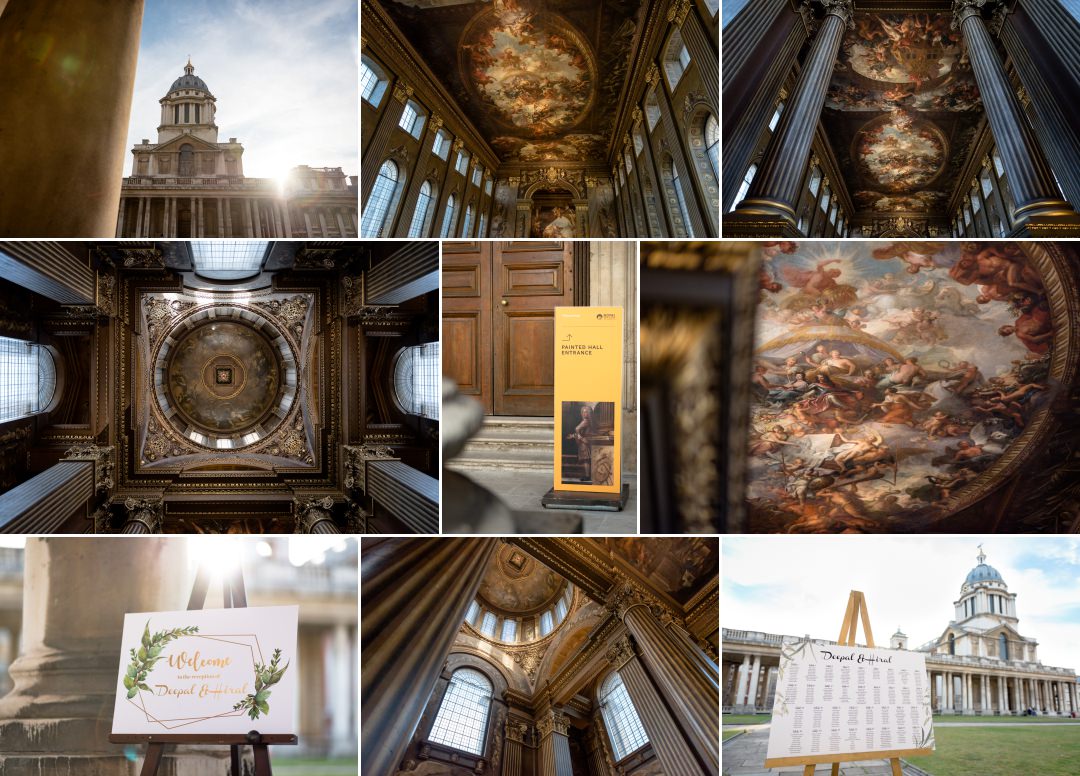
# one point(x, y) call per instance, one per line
point(982, 693)
point(147, 215)
point(774, 192)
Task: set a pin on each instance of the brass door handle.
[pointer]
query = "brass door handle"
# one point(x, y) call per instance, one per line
point(504, 303)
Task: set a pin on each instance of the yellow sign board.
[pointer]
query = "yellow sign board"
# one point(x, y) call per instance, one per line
point(588, 399)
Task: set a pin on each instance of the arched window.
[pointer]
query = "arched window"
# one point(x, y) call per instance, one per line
point(421, 220)
point(776, 116)
point(652, 109)
point(623, 725)
point(187, 160)
point(449, 217)
point(481, 229)
point(680, 195)
point(1004, 647)
point(639, 141)
point(27, 378)
point(676, 59)
point(466, 229)
point(382, 202)
point(373, 81)
point(416, 380)
point(712, 143)
point(463, 714)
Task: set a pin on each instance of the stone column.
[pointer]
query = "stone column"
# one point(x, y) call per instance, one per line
point(45, 502)
point(774, 191)
point(220, 218)
point(1035, 193)
point(228, 218)
point(513, 748)
point(415, 593)
point(342, 692)
point(314, 515)
point(65, 111)
point(700, 44)
point(120, 219)
point(380, 138)
point(553, 726)
point(690, 692)
point(416, 180)
point(143, 516)
point(969, 686)
point(173, 220)
point(249, 221)
point(139, 217)
point(58, 717)
point(751, 695)
point(600, 761)
point(668, 738)
point(744, 678)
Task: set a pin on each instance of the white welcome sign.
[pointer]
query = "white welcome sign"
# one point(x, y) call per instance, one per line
point(208, 671)
point(836, 703)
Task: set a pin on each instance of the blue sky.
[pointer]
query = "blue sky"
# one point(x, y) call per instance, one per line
point(798, 585)
point(284, 73)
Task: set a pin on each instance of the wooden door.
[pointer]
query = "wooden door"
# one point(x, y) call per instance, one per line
point(498, 333)
point(529, 280)
point(466, 319)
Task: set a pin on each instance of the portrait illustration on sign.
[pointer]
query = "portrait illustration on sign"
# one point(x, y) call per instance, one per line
point(588, 445)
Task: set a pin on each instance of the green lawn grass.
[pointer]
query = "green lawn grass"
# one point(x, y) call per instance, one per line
point(1003, 751)
point(299, 766)
point(1001, 720)
point(729, 734)
point(746, 719)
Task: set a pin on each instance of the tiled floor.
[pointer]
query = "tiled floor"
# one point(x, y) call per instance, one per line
point(523, 489)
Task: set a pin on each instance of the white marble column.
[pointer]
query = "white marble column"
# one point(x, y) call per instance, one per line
point(744, 678)
point(57, 719)
point(342, 725)
point(752, 692)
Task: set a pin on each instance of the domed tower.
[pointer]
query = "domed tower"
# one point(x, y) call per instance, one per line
point(898, 640)
point(188, 109)
point(985, 601)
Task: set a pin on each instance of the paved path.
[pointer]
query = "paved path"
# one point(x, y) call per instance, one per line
point(745, 756)
point(1006, 724)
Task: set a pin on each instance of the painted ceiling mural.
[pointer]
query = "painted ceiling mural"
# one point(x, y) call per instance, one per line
point(903, 106)
point(889, 378)
point(539, 78)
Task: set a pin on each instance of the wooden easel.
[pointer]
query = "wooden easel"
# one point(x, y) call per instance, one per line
point(235, 598)
point(856, 612)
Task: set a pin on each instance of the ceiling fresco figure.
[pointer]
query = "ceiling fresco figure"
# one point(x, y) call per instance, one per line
point(889, 378)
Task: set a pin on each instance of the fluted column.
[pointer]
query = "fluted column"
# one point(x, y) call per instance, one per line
point(57, 719)
point(416, 180)
point(774, 191)
point(1035, 193)
point(553, 727)
point(668, 737)
point(751, 695)
point(314, 515)
point(69, 72)
point(744, 678)
point(45, 502)
point(513, 744)
point(143, 516)
point(415, 593)
point(600, 760)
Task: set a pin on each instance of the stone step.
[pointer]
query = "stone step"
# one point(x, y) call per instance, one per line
point(507, 442)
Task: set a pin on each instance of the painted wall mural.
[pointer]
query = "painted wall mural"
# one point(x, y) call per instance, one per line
point(902, 106)
point(532, 69)
point(889, 378)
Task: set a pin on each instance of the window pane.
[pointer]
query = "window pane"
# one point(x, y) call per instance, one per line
point(228, 259)
point(560, 610)
point(462, 719)
point(776, 116)
point(546, 623)
point(27, 378)
point(466, 229)
point(487, 627)
point(621, 719)
point(416, 380)
point(379, 202)
point(449, 216)
point(423, 205)
point(509, 630)
point(408, 117)
point(368, 80)
point(471, 615)
point(745, 186)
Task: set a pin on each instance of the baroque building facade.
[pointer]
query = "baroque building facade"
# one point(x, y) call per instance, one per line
point(191, 184)
point(884, 119)
point(980, 664)
point(589, 121)
point(539, 656)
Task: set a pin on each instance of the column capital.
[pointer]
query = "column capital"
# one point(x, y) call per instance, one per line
point(311, 511)
point(516, 730)
point(356, 460)
point(436, 122)
point(621, 651)
point(844, 9)
point(677, 12)
point(102, 458)
point(402, 91)
point(148, 511)
point(963, 9)
point(553, 721)
point(652, 75)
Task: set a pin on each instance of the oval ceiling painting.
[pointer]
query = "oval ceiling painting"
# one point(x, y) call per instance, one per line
point(890, 378)
point(900, 152)
point(532, 69)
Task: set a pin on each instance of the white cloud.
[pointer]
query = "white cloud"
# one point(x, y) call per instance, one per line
point(284, 74)
point(799, 585)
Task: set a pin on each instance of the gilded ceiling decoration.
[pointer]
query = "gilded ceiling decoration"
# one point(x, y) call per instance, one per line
point(902, 108)
point(516, 583)
point(676, 566)
point(894, 382)
point(539, 78)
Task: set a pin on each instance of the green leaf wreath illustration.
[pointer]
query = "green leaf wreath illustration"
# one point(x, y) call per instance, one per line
point(266, 676)
point(146, 656)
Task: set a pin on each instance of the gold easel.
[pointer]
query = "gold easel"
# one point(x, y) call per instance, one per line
point(235, 596)
point(856, 612)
